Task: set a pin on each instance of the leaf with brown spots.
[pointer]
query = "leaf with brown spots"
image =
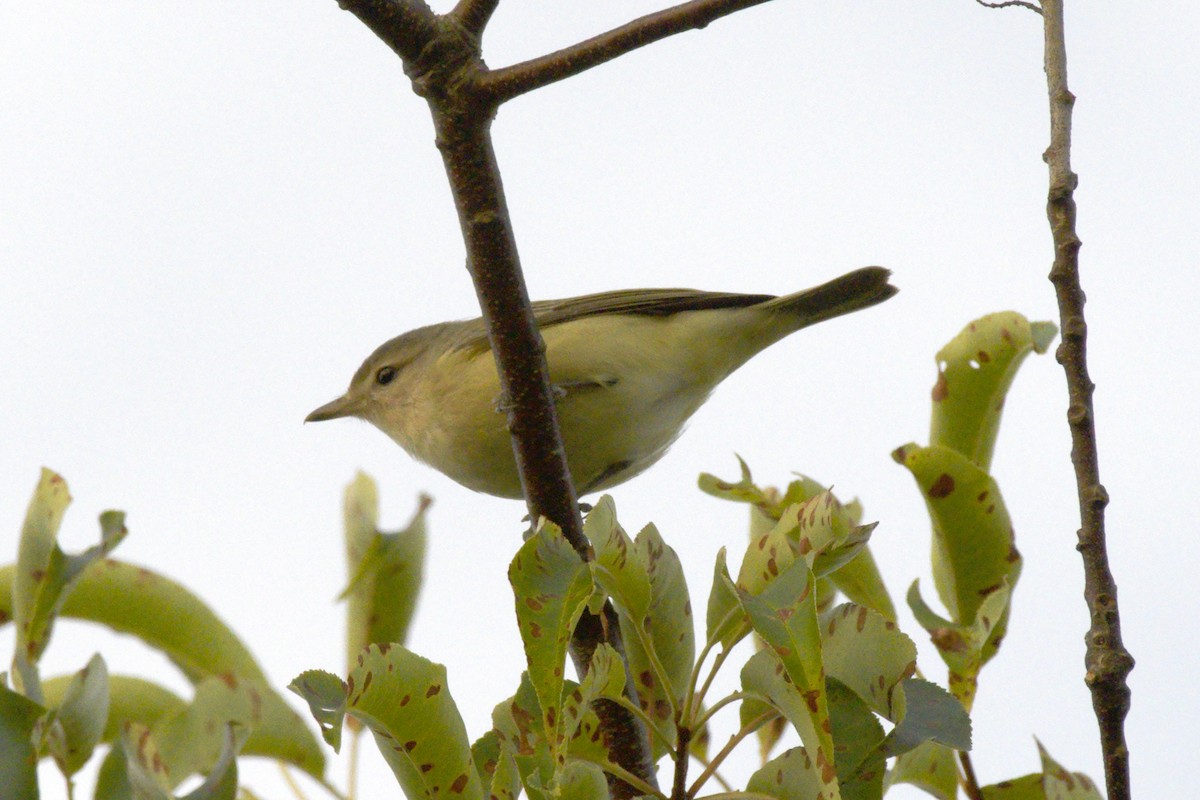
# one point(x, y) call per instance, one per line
point(769, 553)
point(789, 673)
point(133, 600)
point(548, 570)
point(931, 767)
point(1052, 783)
point(149, 776)
point(964, 648)
point(496, 767)
point(1063, 785)
point(857, 736)
point(973, 548)
point(1027, 787)
point(870, 655)
point(975, 371)
point(741, 491)
point(670, 631)
point(618, 566)
point(194, 740)
point(45, 575)
point(424, 740)
point(790, 776)
point(518, 725)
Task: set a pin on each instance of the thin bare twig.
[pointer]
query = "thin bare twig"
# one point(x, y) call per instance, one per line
point(1011, 3)
point(1108, 662)
point(747, 729)
point(508, 82)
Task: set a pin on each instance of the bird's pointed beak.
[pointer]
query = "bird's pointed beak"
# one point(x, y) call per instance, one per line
point(344, 406)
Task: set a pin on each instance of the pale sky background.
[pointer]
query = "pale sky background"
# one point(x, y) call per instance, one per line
point(211, 212)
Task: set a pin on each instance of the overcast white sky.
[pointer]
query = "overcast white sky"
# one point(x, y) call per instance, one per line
point(211, 212)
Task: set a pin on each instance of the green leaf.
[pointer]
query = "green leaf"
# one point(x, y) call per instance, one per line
point(194, 741)
point(145, 769)
point(605, 680)
point(137, 601)
point(129, 699)
point(581, 781)
point(1063, 785)
point(670, 629)
point(743, 491)
point(222, 782)
point(404, 700)
point(147, 776)
point(975, 371)
point(112, 780)
point(386, 570)
point(768, 554)
point(552, 585)
point(857, 736)
point(790, 776)
point(860, 580)
point(930, 767)
point(1052, 783)
point(18, 764)
point(1027, 787)
point(973, 548)
point(518, 723)
point(618, 567)
point(932, 715)
point(325, 694)
point(496, 767)
point(79, 720)
point(45, 574)
point(726, 621)
point(765, 679)
point(964, 648)
point(785, 616)
point(870, 655)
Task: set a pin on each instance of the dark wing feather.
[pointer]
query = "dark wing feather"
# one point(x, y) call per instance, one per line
point(643, 302)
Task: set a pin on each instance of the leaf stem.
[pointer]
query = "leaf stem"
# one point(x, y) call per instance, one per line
point(747, 729)
point(733, 697)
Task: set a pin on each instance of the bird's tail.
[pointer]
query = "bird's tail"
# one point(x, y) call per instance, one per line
point(855, 290)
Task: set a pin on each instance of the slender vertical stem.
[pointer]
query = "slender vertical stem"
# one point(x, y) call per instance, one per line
point(1107, 661)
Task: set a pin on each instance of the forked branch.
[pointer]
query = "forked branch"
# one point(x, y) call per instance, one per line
point(442, 55)
point(508, 82)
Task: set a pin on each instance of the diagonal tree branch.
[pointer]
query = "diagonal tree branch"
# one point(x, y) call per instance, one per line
point(1108, 662)
point(442, 56)
point(509, 82)
point(473, 15)
point(406, 26)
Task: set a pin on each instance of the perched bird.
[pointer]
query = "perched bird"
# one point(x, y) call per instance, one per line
point(628, 368)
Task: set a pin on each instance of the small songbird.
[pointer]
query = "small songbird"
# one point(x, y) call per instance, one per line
point(628, 368)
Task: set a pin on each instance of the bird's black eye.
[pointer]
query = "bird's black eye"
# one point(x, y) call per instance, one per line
point(385, 375)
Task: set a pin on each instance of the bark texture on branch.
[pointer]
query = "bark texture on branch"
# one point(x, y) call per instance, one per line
point(442, 56)
point(1107, 661)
